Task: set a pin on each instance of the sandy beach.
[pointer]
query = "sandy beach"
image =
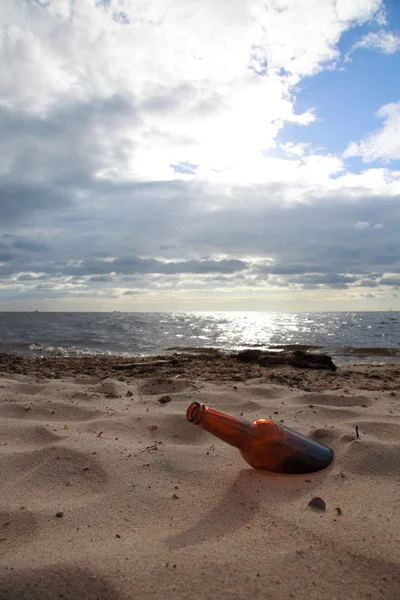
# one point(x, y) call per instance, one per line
point(106, 492)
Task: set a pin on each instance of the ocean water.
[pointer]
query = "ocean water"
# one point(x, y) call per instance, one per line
point(362, 337)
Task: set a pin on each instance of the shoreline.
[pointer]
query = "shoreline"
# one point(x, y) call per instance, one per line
point(210, 365)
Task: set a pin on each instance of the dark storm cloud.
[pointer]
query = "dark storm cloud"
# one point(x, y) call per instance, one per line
point(395, 281)
point(29, 245)
point(18, 200)
point(330, 280)
point(368, 283)
point(312, 245)
point(293, 269)
point(6, 255)
point(66, 145)
point(101, 278)
point(130, 265)
point(26, 277)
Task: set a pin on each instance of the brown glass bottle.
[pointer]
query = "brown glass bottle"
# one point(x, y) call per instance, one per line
point(264, 444)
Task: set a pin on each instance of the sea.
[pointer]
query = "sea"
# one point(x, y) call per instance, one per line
point(349, 337)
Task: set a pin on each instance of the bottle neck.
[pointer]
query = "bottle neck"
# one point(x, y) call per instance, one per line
point(232, 430)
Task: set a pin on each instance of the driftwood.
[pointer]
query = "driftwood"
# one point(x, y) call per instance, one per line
point(295, 359)
point(313, 361)
point(249, 355)
point(140, 365)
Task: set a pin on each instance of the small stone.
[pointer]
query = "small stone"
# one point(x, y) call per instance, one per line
point(129, 394)
point(85, 468)
point(154, 427)
point(27, 408)
point(164, 399)
point(175, 497)
point(59, 514)
point(317, 503)
point(392, 394)
point(117, 536)
point(338, 511)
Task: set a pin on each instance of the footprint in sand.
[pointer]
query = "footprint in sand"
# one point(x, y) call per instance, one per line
point(324, 435)
point(165, 386)
point(55, 581)
point(176, 431)
point(87, 380)
point(28, 389)
point(333, 400)
point(55, 474)
point(371, 458)
point(17, 437)
point(17, 527)
point(48, 411)
point(389, 432)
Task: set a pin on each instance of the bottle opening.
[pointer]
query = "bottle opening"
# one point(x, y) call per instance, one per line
point(193, 411)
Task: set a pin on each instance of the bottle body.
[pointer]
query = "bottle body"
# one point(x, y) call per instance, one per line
point(264, 444)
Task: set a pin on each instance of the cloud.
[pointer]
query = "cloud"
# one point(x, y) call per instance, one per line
point(384, 41)
point(384, 144)
point(87, 95)
point(20, 200)
point(393, 281)
point(140, 149)
point(368, 283)
point(29, 245)
point(366, 225)
point(102, 278)
point(334, 280)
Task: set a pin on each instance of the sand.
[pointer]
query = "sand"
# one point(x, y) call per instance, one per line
point(107, 493)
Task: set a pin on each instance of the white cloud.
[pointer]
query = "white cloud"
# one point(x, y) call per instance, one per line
point(385, 41)
point(384, 144)
point(362, 225)
point(366, 225)
point(205, 82)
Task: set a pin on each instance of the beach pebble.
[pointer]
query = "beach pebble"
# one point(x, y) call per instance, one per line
point(164, 399)
point(59, 514)
point(318, 503)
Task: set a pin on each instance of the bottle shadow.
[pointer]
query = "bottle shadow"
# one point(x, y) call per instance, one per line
point(240, 503)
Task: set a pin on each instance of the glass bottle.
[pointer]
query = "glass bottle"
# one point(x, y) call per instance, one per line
point(264, 444)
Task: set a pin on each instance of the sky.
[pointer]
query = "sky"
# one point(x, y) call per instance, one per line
point(161, 155)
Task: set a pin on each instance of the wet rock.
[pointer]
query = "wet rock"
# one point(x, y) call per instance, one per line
point(164, 399)
point(317, 503)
